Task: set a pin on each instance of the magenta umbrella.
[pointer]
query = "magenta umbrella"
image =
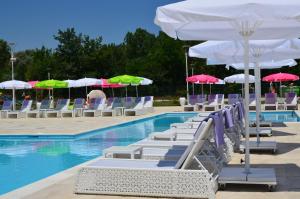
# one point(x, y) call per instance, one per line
point(202, 79)
point(281, 77)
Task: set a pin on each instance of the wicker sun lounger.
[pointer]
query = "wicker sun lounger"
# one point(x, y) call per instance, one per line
point(155, 178)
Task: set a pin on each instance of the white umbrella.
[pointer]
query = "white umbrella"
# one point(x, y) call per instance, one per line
point(231, 20)
point(233, 51)
point(144, 82)
point(71, 84)
point(14, 85)
point(265, 65)
point(85, 82)
point(239, 79)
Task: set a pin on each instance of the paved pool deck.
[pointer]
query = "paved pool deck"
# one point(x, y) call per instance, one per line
point(286, 161)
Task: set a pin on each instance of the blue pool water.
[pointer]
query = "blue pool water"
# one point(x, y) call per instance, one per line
point(26, 159)
point(284, 116)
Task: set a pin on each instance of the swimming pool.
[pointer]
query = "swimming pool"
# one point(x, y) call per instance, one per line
point(282, 116)
point(26, 159)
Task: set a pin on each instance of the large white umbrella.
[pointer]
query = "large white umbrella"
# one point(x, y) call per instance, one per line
point(85, 82)
point(14, 85)
point(265, 65)
point(233, 51)
point(231, 20)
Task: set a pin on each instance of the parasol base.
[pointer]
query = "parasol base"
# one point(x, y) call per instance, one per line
point(260, 146)
point(257, 176)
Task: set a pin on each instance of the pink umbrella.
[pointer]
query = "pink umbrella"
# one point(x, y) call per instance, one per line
point(281, 77)
point(202, 79)
point(105, 84)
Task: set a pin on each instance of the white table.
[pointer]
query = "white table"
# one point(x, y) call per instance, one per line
point(124, 150)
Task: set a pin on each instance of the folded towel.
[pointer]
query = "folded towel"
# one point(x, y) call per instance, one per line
point(219, 128)
point(228, 118)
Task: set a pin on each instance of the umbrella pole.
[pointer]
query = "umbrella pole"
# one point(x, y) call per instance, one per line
point(187, 75)
point(257, 100)
point(126, 91)
point(86, 91)
point(280, 89)
point(202, 88)
point(69, 93)
point(136, 90)
point(112, 89)
point(14, 98)
point(246, 116)
point(209, 88)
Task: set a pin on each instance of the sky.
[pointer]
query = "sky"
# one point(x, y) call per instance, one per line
point(32, 23)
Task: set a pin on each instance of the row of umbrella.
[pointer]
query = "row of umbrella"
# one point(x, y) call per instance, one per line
point(115, 82)
point(240, 79)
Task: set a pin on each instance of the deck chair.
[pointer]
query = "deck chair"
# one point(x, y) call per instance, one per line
point(193, 99)
point(95, 107)
point(148, 105)
point(138, 108)
point(252, 101)
point(111, 110)
point(220, 101)
point(290, 102)
point(77, 109)
point(233, 98)
point(212, 104)
point(155, 178)
point(22, 113)
point(45, 105)
point(271, 101)
point(201, 102)
point(61, 105)
point(6, 107)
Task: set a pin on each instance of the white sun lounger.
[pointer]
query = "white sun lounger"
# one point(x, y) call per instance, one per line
point(138, 108)
point(22, 113)
point(156, 178)
point(77, 108)
point(212, 104)
point(61, 105)
point(95, 108)
point(45, 105)
point(148, 104)
point(6, 107)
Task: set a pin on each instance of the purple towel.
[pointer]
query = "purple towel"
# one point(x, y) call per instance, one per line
point(228, 118)
point(240, 111)
point(219, 128)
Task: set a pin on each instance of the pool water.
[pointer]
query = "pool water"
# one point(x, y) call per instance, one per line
point(284, 116)
point(26, 159)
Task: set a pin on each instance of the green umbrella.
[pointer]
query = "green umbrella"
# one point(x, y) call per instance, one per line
point(125, 80)
point(52, 83)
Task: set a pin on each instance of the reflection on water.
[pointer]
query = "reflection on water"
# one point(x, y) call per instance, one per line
point(25, 161)
point(287, 116)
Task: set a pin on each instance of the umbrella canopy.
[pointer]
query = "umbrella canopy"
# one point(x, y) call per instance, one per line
point(146, 81)
point(71, 83)
point(202, 79)
point(84, 82)
point(15, 84)
point(219, 19)
point(51, 84)
point(233, 51)
point(105, 84)
point(125, 79)
point(265, 65)
point(239, 79)
point(281, 77)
